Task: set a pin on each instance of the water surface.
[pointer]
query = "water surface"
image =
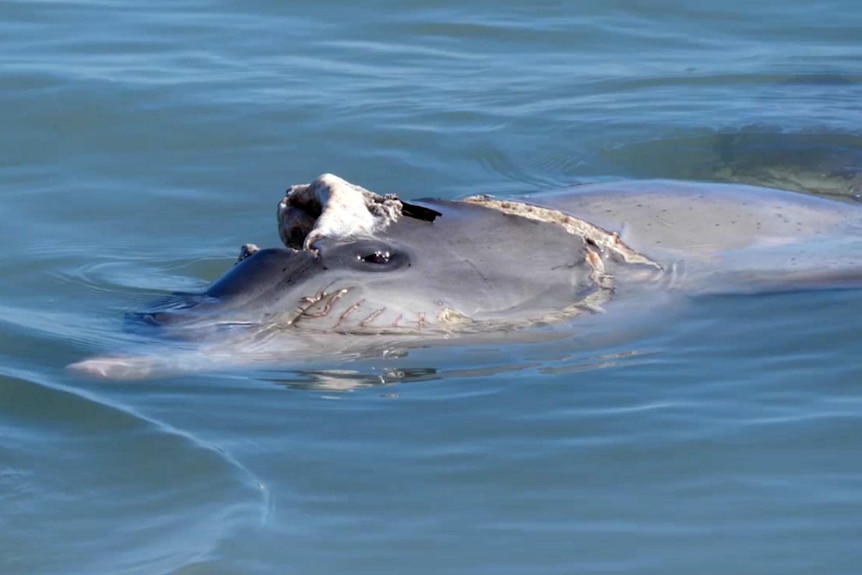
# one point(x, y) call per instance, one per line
point(144, 142)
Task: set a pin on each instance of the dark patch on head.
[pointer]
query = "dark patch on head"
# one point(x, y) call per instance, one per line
point(296, 239)
point(419, 212)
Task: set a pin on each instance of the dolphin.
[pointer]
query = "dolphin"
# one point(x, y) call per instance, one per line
point(358, 268)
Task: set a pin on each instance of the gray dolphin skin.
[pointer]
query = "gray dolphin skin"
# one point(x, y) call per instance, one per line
point(358, 267)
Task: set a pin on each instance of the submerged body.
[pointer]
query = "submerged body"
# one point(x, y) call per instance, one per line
point(728, 238)
point(357, 265)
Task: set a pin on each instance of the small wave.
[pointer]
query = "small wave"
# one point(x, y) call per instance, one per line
point(171, 496)
point(536, 171)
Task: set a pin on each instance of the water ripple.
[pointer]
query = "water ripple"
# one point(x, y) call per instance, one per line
point(172, 483)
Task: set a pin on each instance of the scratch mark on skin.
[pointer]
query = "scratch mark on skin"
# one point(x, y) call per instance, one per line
point(311, 300)
point(397, 319)
point(374, 315)
point(314, 300)
point(420, 322)
point(347, 312)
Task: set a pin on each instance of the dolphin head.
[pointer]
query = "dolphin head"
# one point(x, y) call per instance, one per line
point(355, 264)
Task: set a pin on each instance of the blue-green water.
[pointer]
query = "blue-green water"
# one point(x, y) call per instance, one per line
point(143, 142)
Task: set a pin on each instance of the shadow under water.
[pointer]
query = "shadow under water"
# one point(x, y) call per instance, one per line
point(825, 165)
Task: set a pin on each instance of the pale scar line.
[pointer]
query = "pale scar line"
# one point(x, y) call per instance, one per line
point(371, 317)
point(348, 311)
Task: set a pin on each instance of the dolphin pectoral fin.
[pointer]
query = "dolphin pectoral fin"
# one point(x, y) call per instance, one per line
point(164, 361)
point(117, 367)
point(158, 360)
point(158, 365)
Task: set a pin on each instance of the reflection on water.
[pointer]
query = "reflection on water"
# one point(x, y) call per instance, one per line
point(550, 353)
point(349, 380)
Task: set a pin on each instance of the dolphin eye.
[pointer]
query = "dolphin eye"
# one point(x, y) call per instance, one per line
point(366, 256)
point(379, 257)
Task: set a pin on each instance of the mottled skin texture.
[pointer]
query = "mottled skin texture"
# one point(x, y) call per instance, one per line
point(728, 238)
point(478, 270)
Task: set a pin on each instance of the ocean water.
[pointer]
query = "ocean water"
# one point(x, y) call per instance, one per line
point(144, 142)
